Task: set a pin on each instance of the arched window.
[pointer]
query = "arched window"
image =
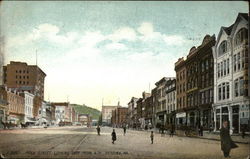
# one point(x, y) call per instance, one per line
point(223, 47)
point(240, 36)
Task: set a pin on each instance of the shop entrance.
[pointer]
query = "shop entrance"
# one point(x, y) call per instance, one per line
point(235, 118)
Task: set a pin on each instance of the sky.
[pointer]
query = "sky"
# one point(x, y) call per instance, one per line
point(108, 51)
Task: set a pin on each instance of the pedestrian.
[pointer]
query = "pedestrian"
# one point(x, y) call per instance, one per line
point(226, 141)
point(124, 130)
point(98, 130)
point(152, 137)
point(243, 131)
point(201, 130)
point(113, 134)
point(172, 131)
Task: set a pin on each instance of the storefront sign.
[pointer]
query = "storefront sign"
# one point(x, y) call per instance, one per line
point(181, 115)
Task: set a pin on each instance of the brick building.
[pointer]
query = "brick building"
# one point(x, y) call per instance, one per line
point(16, 106)
point(22, 77)
point(205, 81)
point(119, 118)
point(181, 81)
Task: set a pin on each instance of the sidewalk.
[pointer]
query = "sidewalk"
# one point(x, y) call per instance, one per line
point(216, 136)
point(209, 136)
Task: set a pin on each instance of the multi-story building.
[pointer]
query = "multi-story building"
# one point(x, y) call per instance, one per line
point(42, 116)
point(119, 118)
point(107, 114)
point(22, 77)
point(62, 112)
point(148, 102)
point(231, 77)
point(161, 107)
point(199, 68)
point(155, 104)
point(132, 112)
point(15, 113)
point(191, 88)
point(141, 110)
point(28, 108)
point(170, 90)
point(181, 81)
point(205, 81)
point(3, 107)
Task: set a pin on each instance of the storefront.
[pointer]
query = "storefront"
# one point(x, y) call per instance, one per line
point(181, 118)
point(244, 117)
point(236, 114)
point(192, 118)
point(3, 110)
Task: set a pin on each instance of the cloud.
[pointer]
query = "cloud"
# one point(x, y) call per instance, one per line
point(91, 39)
point(148, 34)
point(115, 46)
point(124, 33)
point(146, 29)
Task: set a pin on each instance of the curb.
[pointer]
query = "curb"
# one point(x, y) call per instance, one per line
point(239, 142)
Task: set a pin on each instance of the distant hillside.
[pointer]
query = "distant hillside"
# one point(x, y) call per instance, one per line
point(87, 110)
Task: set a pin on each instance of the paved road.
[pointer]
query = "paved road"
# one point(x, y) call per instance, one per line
point(82, 142)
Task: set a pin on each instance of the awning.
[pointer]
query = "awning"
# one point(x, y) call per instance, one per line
point(181, 115)
point(28, 119)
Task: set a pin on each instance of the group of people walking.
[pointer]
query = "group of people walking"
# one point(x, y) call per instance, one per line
point(226, 141)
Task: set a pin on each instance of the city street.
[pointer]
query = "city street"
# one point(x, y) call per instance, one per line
point(83, 142)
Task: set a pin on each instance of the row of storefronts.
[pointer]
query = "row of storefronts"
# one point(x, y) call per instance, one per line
point(211, 86)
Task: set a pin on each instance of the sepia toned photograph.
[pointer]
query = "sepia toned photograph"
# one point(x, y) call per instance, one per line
point(124, 79)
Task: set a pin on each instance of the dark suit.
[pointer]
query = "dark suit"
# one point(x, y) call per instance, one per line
point(226, 141)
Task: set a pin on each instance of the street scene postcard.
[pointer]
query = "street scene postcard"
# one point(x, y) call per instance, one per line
point(124, 79)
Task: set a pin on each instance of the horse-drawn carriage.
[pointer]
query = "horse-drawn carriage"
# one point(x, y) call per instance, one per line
point(8, 125)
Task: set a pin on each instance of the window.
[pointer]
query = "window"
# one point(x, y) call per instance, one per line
point(207, 64)
point(238, 60)
point(227, 85)
point(236, 88)
point(242, 59)
point(223, 91)
point(240, 36)
point(241, 86)
point(234, 63)
point(225, 67)
point(211, 95)
point(202, 66)
point(228, 66)
point(223, 48)
point(218, 69)
point(221, 68)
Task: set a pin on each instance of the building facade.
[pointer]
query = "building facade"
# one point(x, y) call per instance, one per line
point(231, 78)
point(120, 116)
point(21, 77)
point(107, 114)
point(16, 105)
point(161, 101)
point(61, 112)
point(170, 90)
point(28, 108)
point(3, 107)
point(181, 81)
point(206, 82)
point(132, 112)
